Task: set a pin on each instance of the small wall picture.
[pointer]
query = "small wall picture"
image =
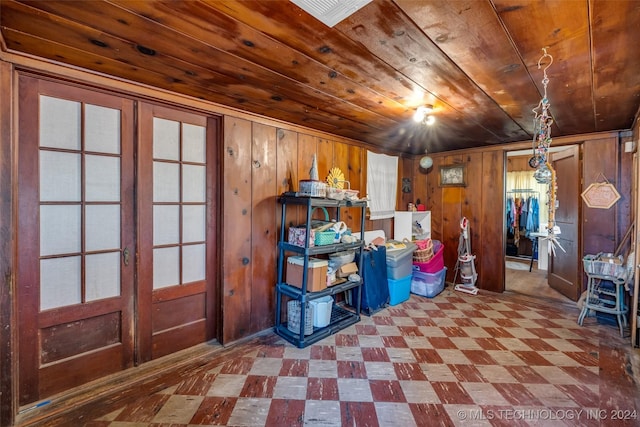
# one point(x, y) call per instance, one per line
point(406, 185)
point(452, 176)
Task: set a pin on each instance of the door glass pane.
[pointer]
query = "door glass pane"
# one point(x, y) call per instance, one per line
point(179, 197)
point(60, 177)
point(166, 267)
point(81, 210)
point(102, 129)
point(102, 276)
point(102, 178)
point(193, 183)
point(166, 139)
point(193, 263)
point(59, 282)
point(59, 123)
point(166, 224)
point(102, 227)
point(193, 143)
point(60, 229)
point(193, 223)
point(166, 182)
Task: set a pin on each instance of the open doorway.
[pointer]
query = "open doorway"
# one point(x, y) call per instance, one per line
point(526, 208)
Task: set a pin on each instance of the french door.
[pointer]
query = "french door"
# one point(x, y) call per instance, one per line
point(176, 287)
point(115, 260)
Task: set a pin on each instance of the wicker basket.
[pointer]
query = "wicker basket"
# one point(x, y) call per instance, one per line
point(293, 317)
point(325, 238)
point(424, 252)
point(312, 188)
point(324, 235)
point(335, 193)
point(342, 194)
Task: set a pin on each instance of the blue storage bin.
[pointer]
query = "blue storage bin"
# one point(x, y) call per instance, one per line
point(399, 289)
point(428, 284)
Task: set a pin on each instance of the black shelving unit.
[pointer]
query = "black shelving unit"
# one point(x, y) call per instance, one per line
point(342, 314)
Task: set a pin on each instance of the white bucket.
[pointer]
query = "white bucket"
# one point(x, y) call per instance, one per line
point(322, 311)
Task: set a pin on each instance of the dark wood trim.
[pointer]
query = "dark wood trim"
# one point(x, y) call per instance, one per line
point(526, 145)
point(8, 405)
point(182, 291)
point(128, 227)
point(27, 277)
point(144, 208)
point(215, 148)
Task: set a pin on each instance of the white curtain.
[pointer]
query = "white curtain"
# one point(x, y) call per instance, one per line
point(382, 183)
point(525, 180)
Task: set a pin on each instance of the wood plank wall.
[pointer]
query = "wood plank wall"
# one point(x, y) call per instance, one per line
point(260, 162)
point(481, 201)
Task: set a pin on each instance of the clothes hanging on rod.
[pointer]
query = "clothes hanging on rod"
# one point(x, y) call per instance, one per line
point(523, 210)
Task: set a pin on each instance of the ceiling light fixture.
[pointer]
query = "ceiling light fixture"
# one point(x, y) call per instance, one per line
point(422, 115)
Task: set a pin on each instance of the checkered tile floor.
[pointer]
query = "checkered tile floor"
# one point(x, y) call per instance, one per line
point(456, 359)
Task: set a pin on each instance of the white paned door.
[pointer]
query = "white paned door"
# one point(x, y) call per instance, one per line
point(116, 264)
point(75, 237)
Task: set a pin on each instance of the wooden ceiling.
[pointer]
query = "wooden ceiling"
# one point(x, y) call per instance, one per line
point(476, 61)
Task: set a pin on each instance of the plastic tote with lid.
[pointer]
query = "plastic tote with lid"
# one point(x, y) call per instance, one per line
point(400, 261)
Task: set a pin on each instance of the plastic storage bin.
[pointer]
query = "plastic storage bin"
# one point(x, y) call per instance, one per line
point(316, 275)
point(321, 311)
point(399, 261)
point(435, 264)
point(399, 289)
point(428, 284)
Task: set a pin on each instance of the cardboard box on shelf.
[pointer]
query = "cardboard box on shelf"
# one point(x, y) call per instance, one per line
point(347, 269)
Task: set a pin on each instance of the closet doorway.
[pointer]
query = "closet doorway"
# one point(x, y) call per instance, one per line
point(526, 213)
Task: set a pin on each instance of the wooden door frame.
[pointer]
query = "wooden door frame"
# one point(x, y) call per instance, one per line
point(580, 147)
point(8, 304)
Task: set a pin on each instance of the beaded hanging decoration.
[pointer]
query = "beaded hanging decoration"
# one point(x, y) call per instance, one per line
point(545, 174)
point(542, 121)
